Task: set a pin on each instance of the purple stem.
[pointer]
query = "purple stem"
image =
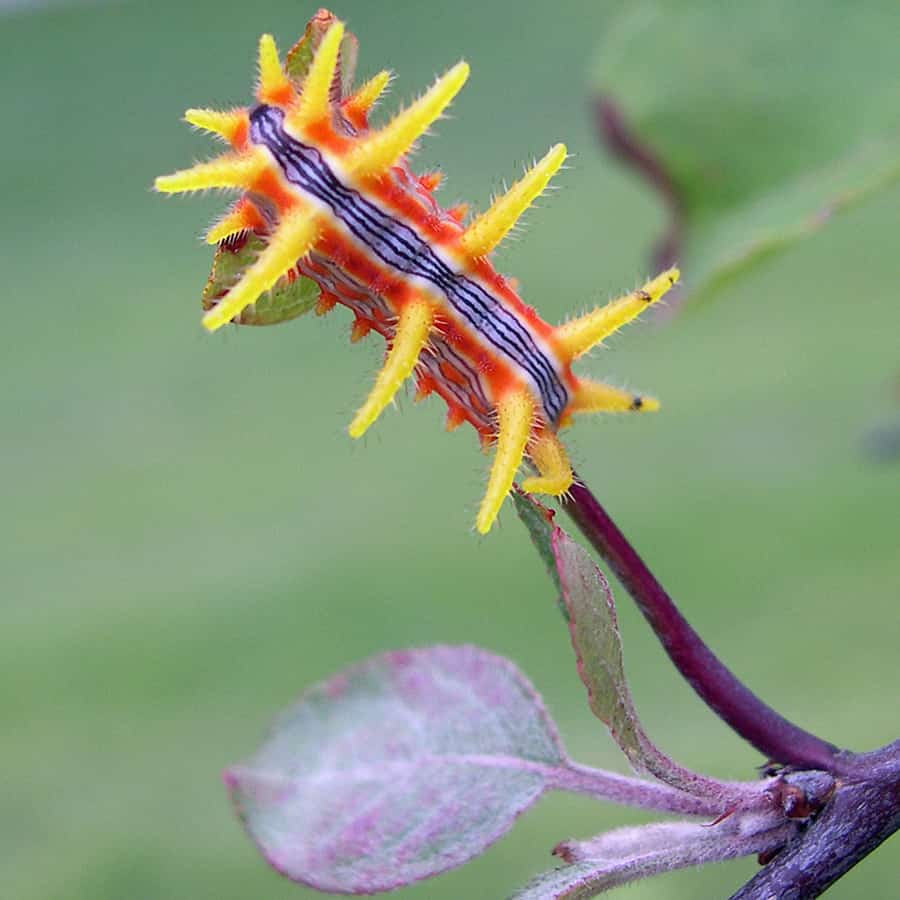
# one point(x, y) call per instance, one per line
point(625, 145)
point(773, 735)
point(637, 792)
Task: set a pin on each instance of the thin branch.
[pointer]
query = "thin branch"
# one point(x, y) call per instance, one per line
point(773, 735)
point(859, 818)
point(640, 793)
point(623, 143)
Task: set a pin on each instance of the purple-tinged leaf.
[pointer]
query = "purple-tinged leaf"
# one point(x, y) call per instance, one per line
point(575, 882)
point(412, 763)
point(598, 648)
point(627, 854)
point(397, 769)
point(643, 840)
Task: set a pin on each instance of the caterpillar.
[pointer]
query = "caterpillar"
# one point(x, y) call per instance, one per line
point(332, 200)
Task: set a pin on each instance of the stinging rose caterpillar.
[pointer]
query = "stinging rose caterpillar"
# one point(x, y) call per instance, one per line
point(328, 203)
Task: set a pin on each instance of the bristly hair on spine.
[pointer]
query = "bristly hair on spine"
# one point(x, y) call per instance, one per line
point(336, 202)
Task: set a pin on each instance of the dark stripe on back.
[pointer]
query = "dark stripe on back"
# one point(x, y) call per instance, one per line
point(401, 248)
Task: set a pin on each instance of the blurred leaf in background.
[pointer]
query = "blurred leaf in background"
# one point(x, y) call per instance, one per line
point(763, 120)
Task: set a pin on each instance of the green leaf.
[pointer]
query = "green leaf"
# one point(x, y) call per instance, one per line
point(595, 637)
point(291, 297)
point(300, 56)
point(768, 118)
point(287, 300)
point(587, 605)
point(539, 522)
point(594, 631)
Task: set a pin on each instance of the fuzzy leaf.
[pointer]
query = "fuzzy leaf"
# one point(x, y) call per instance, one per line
point(768, 118)
point(627, 854)
point(576, 882)
point(399, 768)
point(288, 299)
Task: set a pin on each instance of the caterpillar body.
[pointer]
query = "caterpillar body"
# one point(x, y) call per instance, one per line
point(336, 202)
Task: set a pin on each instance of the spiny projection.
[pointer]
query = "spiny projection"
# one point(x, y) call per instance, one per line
point(335, 201)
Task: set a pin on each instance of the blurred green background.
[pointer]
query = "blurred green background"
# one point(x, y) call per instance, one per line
point(190, 538)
